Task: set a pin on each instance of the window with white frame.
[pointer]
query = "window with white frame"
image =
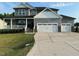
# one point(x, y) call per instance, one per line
point(21, 22)
point(21, 12)
point(32, 12)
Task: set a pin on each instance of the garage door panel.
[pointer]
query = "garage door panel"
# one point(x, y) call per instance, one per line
point(47, 27)
point(55, 28)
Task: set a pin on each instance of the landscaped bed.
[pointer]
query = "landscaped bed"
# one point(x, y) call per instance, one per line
point(18, 44)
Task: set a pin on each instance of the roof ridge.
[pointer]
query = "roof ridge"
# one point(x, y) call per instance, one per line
point(47, 7)
point(23, 5)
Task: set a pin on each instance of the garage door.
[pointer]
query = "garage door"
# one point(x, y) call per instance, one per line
point(47, 27)
point(65, 27)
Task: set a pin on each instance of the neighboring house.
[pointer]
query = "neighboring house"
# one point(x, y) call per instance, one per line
point(40, 19)
point(3, 24)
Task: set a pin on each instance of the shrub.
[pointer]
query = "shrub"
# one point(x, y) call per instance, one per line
point(4, 31)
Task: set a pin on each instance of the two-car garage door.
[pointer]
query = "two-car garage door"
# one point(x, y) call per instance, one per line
point(53, 27)
point(47, 27)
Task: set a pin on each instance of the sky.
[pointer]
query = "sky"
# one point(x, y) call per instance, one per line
point(65, 8)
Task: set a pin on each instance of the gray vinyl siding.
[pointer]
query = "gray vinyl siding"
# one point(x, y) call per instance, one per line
point(38, 11)
point(46, 20)
point(68, 20)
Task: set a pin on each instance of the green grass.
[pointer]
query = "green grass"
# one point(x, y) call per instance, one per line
point(14, 44)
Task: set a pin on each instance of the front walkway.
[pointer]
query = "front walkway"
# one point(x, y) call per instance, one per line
point(55, 44)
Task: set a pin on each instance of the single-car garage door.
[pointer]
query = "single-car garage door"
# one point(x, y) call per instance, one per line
point(65, 27)
point(47, 27)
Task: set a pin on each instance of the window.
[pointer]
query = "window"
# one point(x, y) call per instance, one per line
point(21, 22)
point(26, 12)
point(68, 24)
point(21, 12)
point(63, 24)
point(32, 12)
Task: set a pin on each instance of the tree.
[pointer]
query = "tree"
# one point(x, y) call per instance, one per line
point(6, 14)
point(76, 25)
point(12, 14)
point(1, 16)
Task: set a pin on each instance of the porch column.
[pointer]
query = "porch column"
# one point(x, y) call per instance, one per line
point(11, 23)
point(34, 26)
point(26, 25)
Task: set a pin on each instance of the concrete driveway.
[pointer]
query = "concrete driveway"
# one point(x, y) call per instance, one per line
point(55, 44)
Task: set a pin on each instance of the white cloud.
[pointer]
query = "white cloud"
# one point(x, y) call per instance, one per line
point(60, 4)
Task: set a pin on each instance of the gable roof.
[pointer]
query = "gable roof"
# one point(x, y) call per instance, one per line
point(24, 5)
point(46, 14)
point(68, 16)
point(42, 8)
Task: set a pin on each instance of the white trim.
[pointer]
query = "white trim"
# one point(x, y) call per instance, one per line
point(51, 11)
point(29, 12)
point(47, 23)
point(65, 23)
point(36, 11)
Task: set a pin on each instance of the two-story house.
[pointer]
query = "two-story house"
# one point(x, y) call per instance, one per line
point(40, 19)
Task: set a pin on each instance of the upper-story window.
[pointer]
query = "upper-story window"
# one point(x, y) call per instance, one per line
point(32, 12)
point(25, 12)
point(21, 12)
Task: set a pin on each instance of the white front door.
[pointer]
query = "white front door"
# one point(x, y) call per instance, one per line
point(65, 27)
point(47, 27)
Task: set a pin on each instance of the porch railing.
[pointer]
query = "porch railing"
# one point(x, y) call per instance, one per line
point(15, 26)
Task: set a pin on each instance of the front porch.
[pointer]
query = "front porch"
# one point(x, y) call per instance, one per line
point(20, 23)
point(15, 27)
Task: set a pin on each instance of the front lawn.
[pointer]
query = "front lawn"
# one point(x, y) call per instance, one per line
point(15, 44)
